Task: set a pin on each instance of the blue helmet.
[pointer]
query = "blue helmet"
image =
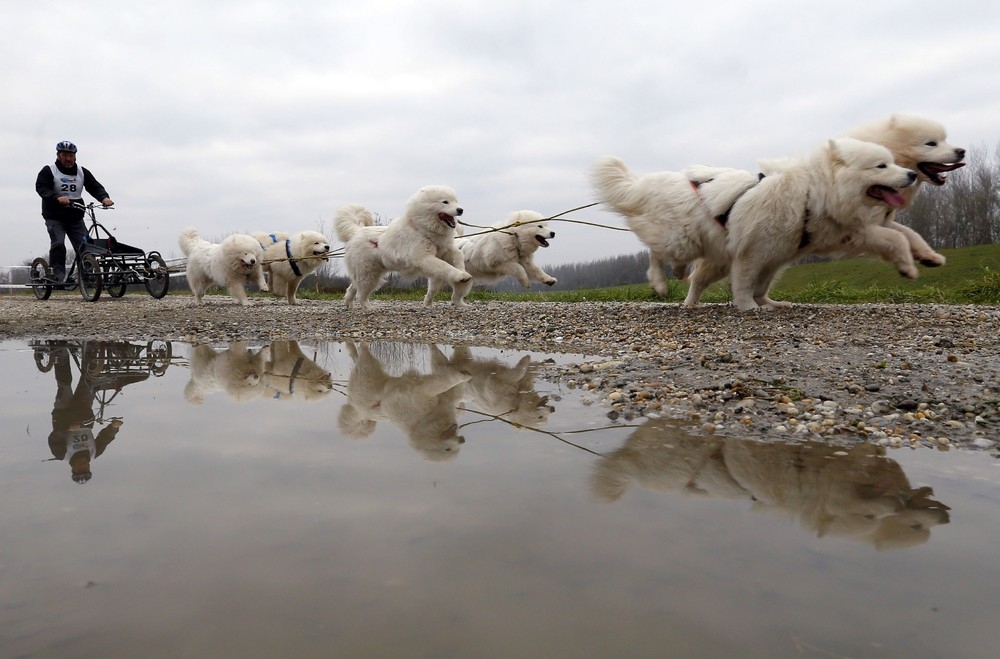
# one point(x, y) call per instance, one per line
point(66, 145)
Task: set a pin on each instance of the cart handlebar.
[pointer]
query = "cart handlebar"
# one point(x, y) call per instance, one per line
point(91, 206)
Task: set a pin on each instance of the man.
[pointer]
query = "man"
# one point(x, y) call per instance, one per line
point(60, 185)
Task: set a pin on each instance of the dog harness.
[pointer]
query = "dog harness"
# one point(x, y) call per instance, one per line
point(722, 219)
point(291, 261)
point(291, 379)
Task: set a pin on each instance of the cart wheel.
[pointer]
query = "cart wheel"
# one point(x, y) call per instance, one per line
point(43, 360)
point(115, 282)
point(40, 273)
point(91, 279)
point(158, 276)
point(93, 358)
point(159, 354)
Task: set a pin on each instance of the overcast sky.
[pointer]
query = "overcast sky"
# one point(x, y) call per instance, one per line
point(247, 116)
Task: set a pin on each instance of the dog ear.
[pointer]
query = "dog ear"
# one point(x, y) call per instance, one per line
point(833, 154)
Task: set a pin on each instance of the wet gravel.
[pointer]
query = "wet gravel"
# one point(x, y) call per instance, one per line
point(895, 375)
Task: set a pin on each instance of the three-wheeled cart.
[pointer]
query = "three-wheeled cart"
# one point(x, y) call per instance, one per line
point(103, 264)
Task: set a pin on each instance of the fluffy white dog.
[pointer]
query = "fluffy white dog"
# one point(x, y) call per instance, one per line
point(291, 258)
point(680, 216)
point(509, 251)
point(921, 145)
point(843, 190)
point(419, 243)
point(230, 264)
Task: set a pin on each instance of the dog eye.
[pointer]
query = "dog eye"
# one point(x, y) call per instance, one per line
point(444, 201)
point(882, 165)
point(931, 143)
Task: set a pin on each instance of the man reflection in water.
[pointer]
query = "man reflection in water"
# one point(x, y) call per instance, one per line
point(72, 437)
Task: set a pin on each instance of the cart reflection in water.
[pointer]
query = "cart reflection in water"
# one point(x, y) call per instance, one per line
point(103, 369)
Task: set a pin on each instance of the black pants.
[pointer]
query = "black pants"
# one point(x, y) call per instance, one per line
point(59, 230)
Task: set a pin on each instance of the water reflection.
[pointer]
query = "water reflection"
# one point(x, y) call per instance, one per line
point(291, 375)
point(103, 370)
point(503, 391)
point(423, 405)
point(435, 400)
point(856, 492)
point(237, 370)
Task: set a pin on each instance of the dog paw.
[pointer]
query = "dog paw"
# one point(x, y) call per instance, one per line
point(909, 271)
point(932, 260)
point(551, 281)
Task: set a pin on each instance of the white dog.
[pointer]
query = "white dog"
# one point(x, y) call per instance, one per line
point(812, 206)
point(419, 243)
point(231, 264)
point(680, 216)
point(921, 145)
point(291, 258)
point(508, 251)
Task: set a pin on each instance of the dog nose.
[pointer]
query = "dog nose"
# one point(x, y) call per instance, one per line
point(959, 153)
point(912, 176)
point(552, 234)
point(459, 210)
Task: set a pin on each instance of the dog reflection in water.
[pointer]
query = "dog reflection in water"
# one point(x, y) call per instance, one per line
point(291, 375)
point(424, 406)
point(503, 391)
point(237, 370)
point(280, 371)
point(856, 492)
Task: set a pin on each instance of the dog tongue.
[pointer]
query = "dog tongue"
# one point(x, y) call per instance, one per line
point(887, 195)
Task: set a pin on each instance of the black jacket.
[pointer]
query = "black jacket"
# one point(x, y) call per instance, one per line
point(52, 209)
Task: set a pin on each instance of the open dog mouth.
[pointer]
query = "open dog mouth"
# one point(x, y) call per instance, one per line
point(447, 219)
point(542, 241)
point(248, 266)
point(886, 195)
point(934, 171)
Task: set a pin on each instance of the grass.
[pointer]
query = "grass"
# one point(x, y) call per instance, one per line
point(971, 276)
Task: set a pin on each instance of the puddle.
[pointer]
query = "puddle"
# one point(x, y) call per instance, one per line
point(408, 500)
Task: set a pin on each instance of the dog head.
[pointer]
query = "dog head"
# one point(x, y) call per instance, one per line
point(435, 202)
point(869, 167)
point(916, 143)
point(245, 250)
point(307, 244)
point(530, 230)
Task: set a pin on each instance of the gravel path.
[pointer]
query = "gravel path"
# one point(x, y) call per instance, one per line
point(895, 375)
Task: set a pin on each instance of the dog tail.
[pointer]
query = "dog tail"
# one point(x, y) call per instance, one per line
point(188, 240)
point(349, 219)
point(615, 184)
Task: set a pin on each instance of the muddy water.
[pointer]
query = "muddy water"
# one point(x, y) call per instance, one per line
point(287, 499)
